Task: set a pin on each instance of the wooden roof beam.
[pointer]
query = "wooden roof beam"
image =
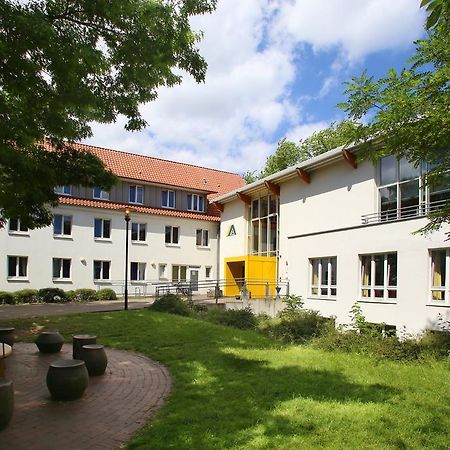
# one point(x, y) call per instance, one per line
point(304, 175)
point(272, 187)
point(218, 206)
point(350, 158)
point(244, 198)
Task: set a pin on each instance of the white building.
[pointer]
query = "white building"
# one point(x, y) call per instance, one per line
point(173, 230)
point(341, 231)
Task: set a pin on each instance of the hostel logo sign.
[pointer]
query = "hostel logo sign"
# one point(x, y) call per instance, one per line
point(231, 231)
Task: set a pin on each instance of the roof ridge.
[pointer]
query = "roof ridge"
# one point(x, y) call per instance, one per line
point(154, 157)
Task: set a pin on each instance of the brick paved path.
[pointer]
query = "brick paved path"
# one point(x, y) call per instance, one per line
point(113, 407)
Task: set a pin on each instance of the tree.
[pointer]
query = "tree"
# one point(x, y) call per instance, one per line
point(67, 63)
point(407, 114)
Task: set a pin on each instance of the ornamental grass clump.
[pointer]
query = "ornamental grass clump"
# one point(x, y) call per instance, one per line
point(172, 304)
point(26, 296)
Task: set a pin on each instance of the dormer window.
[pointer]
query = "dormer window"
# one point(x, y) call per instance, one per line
point(136, 194)
point(63, 190)
point(196, 202)
point(167, 199)
point(99, 194)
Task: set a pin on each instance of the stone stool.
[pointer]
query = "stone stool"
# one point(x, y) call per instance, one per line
point(79, 340)
point(6, 402)
point(67, 379)
point(7, 335)
point(49, 342)
point(95, 358)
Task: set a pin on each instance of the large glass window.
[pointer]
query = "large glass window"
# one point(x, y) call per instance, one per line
point(172, 235)
point(102, 270)
point(379, 276)
point(62, 225)
point(202, 238)
point(138, 232)
point(440, 277)
point(17, 266)
point(137, 272)
point(263, 227)
point(15, 226)
point(102, 229)
point(61, 268)
point(323, 277)
point(167, 199)
point(137, 194)
point(179, 273)
point(63, 190)
point(100, 194)
point(196, 202)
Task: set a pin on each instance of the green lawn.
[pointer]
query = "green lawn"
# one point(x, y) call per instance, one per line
point(238, 390)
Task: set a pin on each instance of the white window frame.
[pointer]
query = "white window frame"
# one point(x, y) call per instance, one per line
point(321, 286)
point(179, 268)
point(162, 271)
point(193, 203)
point(63, 219)
point(171, 243)
point(102, 270)
point(17, 275)
point(102, 195)
point(208, 272)
point(139, 228)
point(372, 287)
point(60, 276)
point(446, 287)
point(141, 270)
point(169, 193)
point(137, 188)
point(19, 230)
point(65, 189)
point(204, 238)
point(102, 237)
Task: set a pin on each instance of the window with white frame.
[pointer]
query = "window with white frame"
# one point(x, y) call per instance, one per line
point(138, 232)
point(162, 271)
point(379, 276)
point(15, 226)
point(172, 235)
point(323, 277)
point(17, 266)
point(263, 226)
point(208, 271)
point(102, 228)
point(63, 190)
point(196, 202)
point(440, 276)
point(102, 270)
point(62, 225)
point(179, 273)
point(202, 238)
point(99, 194)
point(168, 199)
point(137, 271)
point(61, 268)
point(136, 194)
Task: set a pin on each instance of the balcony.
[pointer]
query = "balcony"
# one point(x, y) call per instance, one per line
point(407, 212)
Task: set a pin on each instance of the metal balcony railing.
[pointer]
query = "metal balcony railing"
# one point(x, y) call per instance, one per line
point(407, 212)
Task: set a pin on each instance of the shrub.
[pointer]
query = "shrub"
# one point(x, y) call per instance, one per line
point(26, 296)
point(436, 343)
point(238, 318)
point(6, 298)
point(70, 295)
point(85, 295)
point(171, 303)
point(294, 303)
point(52, 295)
point(106, 294)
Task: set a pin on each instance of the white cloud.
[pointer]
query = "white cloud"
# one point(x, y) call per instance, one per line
point(305, 130)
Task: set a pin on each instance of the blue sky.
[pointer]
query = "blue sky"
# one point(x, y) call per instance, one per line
point(276, 69)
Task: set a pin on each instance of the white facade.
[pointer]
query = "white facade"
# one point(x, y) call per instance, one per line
point(321, 226)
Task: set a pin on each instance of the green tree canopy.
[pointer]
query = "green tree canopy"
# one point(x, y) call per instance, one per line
point(409, 112)
point(67, 63)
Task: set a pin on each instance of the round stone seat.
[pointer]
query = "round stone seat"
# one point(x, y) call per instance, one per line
point(67, 379)
point(7, 335)
point(78, 340)
point(95, 358)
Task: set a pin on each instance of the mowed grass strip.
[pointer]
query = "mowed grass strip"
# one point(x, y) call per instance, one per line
point(239, 390)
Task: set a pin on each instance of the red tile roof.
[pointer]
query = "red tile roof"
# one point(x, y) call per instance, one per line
point(212, 215)
point(160, 171)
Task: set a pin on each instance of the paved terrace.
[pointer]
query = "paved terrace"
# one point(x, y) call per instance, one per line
point(113, 407)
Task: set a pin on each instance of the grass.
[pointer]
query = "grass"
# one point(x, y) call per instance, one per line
point(239, 390)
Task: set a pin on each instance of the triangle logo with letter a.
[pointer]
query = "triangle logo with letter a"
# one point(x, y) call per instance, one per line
point(231, 231)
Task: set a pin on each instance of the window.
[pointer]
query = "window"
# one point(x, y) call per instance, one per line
point(61, 268)
point(100, 194)
point(172, 235)
point(196, 202)
point(179, 273)
point(323, 277)
point(63, 190)
point(137, 194)
point(17, 266)
point(15, 226)
point(263, 226)
point(62, 225)
point(202, 239)
point(440, 280)
point(162, 271)
point(137, 272)
point(102, 229)
point(102, 270)
point(168, 199)
point(379, 276)
point(138, 232)
point(208, 270)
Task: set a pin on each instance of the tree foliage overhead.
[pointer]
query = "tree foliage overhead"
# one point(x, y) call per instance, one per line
point(66, 63)
point(409, 112)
